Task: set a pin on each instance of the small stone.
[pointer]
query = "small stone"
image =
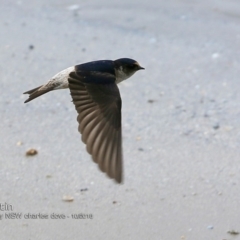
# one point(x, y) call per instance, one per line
point(233, 232)
point(210, 227)
point(216, 126)
point(84, 189)
point(31, 47)
point(31, 152)
point(19, 143)
point(140, 149)
point(151, 101)
point(114, 202)
point(67, 198)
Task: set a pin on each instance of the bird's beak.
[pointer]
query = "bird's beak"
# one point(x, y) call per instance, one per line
point(140, 68)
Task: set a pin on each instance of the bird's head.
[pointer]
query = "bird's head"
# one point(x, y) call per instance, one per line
point(126, 67)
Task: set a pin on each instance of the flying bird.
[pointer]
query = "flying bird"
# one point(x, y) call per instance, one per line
point(94, 91)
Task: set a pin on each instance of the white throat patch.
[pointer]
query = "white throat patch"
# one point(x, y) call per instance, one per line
point(121, 75)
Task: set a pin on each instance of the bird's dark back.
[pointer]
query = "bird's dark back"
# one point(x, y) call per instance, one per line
point(104, 66)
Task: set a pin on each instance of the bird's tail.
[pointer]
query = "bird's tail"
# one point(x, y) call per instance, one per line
point(36, 92)
point(32, 90)
point(58, 81)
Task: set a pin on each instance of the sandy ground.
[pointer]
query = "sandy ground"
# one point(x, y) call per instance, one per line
point(181, 128)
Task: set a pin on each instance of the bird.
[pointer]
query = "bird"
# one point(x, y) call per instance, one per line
point(95, 94)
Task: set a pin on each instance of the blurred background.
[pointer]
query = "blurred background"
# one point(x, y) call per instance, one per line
point(180, 120)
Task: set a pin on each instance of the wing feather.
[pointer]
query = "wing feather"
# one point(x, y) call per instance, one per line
point(99, 118)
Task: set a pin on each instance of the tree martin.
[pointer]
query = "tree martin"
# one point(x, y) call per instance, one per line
point(94, 91)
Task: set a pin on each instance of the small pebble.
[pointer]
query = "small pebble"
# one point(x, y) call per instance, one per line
point(216, 126)
point(233, 232)
point(84, 189)
point(67, 198)
point(19, 143)
point(31, 152)
point(210, 227)
point(31, 47)
point(140, 149)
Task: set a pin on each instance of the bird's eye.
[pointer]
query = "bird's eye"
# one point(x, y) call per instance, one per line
point(132, 66)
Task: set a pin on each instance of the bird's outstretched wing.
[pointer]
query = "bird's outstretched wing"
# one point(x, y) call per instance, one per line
point(97, 100)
